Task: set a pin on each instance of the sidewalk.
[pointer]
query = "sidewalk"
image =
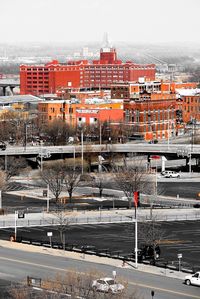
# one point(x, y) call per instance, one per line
point(93, 259)
point(77, 217)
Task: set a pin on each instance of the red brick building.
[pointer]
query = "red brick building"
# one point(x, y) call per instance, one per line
point(48, 78)
point(189, 103)
point(149, 108)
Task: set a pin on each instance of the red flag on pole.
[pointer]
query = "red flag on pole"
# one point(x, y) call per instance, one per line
point(135, 198)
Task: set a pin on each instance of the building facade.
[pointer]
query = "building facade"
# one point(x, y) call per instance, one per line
point(73, 113)
point(82, 74)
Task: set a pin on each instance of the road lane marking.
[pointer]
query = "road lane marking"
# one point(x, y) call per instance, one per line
point(83, 273)
point(164, 290)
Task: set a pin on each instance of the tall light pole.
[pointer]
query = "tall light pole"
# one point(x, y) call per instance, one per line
point(100, 136)
point(82, 149)
point(168, 128)
point(41, 156)
point(48, 198)
point(135, 199)
point(136, 241)
point(168, 131)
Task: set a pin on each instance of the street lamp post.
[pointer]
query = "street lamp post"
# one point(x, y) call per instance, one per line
point(168, 129)
point(25, 135)
point(41, 156)
point(16, 215)
point(100, 136)
point(136, 198)
point(136, 241)
point(48, 198)
point(82, 149)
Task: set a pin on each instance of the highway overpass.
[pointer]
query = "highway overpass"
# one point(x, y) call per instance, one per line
point(173, 150)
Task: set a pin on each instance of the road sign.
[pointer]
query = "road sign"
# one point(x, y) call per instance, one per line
point(21, 214)
point(180, 255)
point(49, 234)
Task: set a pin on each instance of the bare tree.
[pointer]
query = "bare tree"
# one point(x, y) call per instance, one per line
point(131, 178)
point(13, 166)
point(90, 156)
point(72, 176)
point(57, 131)
point(76, 285)
point(63, 219)
point(3, 185)
point(151, 233)
point(53, 175)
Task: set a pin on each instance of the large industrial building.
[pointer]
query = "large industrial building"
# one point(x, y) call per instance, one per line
point(82, 74)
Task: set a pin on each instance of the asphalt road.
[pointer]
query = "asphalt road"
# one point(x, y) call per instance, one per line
point(178, 237)
point(16, 265)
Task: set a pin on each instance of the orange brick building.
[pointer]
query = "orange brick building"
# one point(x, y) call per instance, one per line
point(98, 115)
point(48, 78)
point(76, 113)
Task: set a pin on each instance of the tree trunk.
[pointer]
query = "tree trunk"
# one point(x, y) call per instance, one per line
point(129, 203)
point(100, 192)
point(70, 196)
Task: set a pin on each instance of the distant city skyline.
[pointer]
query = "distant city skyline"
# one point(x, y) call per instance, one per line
point(87, 21)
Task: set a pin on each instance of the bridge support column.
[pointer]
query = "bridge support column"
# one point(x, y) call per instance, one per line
point(148, 163)
point(11, 89)
point(4, 91)
point(188, 163)
point(163, 160)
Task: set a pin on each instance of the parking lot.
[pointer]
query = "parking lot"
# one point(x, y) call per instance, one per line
point(118, 239)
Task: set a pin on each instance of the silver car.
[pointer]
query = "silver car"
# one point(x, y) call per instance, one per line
point(107, 285)
point(171, 174)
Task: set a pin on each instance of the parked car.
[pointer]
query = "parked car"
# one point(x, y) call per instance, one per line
point(107, 285)
point(153, 141)
point(85, 248)
point(2, 146)
point(193, 279)
point(170, 174)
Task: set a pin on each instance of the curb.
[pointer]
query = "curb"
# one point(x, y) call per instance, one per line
point(93, 259)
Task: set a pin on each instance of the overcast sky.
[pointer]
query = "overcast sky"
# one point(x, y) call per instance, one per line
point(87, 20)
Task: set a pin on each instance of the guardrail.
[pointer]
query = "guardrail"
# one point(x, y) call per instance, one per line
point(96, 220)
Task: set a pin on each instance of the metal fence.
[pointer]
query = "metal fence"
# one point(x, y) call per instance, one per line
point(97, 219)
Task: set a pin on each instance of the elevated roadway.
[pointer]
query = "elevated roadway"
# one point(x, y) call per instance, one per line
point(180, 150)
point(4, 83)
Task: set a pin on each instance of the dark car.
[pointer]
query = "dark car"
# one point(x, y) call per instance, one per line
point(2, 146)
point(147, 253)
point(154, 141)
point(86, 248)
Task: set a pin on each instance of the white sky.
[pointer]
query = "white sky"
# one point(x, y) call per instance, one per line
point(87, 20)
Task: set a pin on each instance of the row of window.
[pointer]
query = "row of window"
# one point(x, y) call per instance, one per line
point(192, 100)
